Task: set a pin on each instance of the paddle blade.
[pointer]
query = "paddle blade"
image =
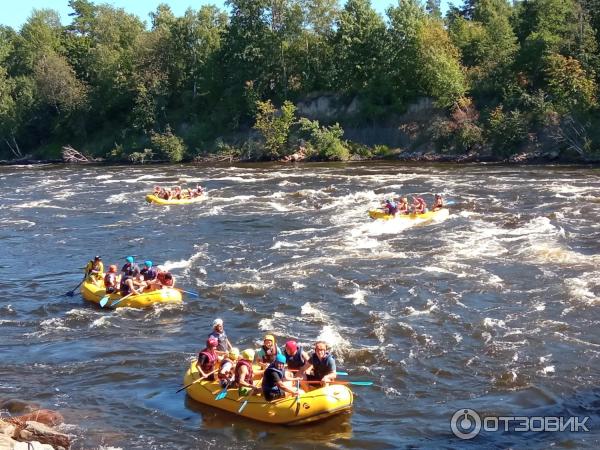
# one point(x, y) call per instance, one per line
point(243, 406)
point(344, 374)
point(104, 300)
point(221, 395)
point(360, 383)
point(449, 203)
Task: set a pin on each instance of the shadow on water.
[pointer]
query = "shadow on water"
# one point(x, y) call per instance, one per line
point(333, 432)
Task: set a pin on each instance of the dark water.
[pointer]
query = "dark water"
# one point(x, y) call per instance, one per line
point(495, 308)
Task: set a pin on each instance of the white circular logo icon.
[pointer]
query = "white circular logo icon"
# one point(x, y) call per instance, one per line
point(465, 423)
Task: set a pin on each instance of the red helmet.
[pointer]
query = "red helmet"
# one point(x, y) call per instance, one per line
point(291, 346)
point(212, 342)
point(112, 268)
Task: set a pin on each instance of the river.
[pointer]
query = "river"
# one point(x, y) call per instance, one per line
point(495, 308)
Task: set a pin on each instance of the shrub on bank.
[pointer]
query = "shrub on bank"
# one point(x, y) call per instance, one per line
point(168, 145)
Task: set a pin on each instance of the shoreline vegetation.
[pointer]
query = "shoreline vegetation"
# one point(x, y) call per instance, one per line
point(491, 81)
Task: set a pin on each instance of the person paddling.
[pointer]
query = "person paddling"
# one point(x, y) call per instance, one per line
point(244, 375)
point(227, 367)
point(438, 203)
point(129, 266)
point(273, 385)
point(207, 359)
point(321, 364)
point(94, 269)
point(165, 278)
point(403, 207)
point(111, 280)
point(390, 207)
point(419, 205)
point(131, 284)
point(296, 358)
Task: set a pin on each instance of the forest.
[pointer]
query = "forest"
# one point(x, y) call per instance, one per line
point(495, 79)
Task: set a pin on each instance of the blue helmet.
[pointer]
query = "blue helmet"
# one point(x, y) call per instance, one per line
point(129, 259)
point(280, 359)
point(148, 263)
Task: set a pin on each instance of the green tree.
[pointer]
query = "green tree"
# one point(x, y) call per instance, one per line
point(405, 22)
point(57, 84)
point(439, 70)
point(359, 46)
point(325, 141)
point(274, 126)
point(167, 145)
point(570, 87)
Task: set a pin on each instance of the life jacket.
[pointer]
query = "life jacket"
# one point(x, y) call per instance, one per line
point(403, 207)
point(392, 208)
point(295, 361)
point(149, 273)
point(267, 385)
point(110, 280)
point(269, 354)
point(249, 376)
point(162, 277)
point(212, 359)
point(321, 366)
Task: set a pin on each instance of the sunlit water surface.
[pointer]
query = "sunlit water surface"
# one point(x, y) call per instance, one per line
point(495, 307)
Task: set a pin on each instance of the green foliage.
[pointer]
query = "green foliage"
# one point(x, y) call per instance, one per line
point(506, 131)
point(359, 45)
point(57, 84)
point(274, 126)
point(141, 157)
point(439, 70)
point(168, 146)
point(571, 88)
point(106, 76)
point(326, 141)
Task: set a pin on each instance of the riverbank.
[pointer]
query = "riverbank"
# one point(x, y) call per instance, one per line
point(30, 427)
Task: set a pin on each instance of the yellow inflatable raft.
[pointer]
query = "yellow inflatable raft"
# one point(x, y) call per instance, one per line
point(311, 406)
point(151, 198)
point(429, 215)
point(94, 291)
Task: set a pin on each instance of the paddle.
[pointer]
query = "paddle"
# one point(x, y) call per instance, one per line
point(112, 305)
point(71, 293)
point(344, 374)
point(195, 381)
point(193, 294)
point(104, 300)
point(243, 406)
point(449, 203)
point(297, 401)
point(355, 383)
point(221, 395)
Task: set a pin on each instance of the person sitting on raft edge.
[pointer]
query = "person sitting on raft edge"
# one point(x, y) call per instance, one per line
point(244, 375)
point(94, 269)
point(322, 365)
point(390, 207)
point(419, 205)
point(438, 203)
point(207, 359)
